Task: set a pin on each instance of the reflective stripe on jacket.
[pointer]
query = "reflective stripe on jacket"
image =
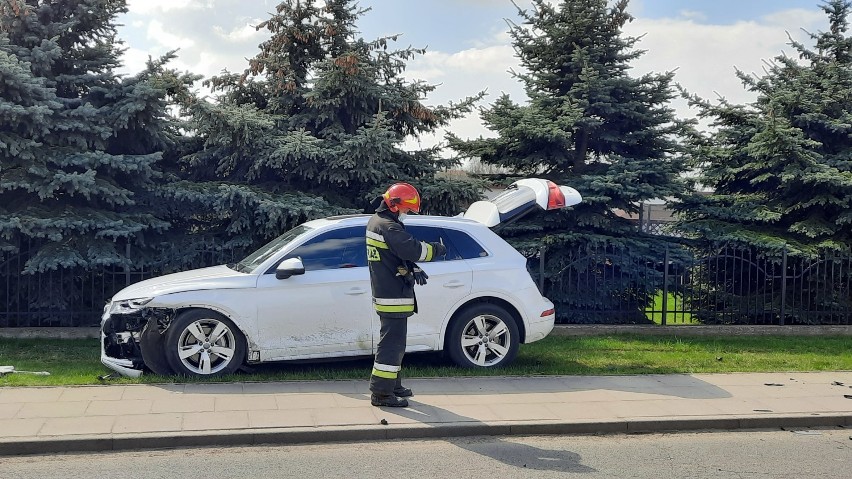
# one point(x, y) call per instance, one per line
point(389, 246)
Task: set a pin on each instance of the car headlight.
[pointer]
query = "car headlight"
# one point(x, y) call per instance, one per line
point(127, 306)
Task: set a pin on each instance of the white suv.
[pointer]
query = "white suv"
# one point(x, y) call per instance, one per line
point(306, 295)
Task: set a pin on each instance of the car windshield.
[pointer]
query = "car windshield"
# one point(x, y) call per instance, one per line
point(252, 261)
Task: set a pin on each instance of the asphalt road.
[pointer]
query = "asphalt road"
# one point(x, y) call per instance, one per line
point(823, 453)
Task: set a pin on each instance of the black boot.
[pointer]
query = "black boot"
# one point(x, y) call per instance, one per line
point(387, 401)
point(403, 392)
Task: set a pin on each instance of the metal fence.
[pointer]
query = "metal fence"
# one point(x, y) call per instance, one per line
point(658, 227)
point(738, 286)
point(728, 286)
point(76, 297)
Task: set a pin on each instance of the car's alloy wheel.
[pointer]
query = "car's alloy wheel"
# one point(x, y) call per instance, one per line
point(204, 343)
point(484, 335)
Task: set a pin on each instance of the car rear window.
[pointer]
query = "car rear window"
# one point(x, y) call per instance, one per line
point(459, 244)
point(465, 246)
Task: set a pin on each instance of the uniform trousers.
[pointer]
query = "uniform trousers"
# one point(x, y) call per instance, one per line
point(387, 366)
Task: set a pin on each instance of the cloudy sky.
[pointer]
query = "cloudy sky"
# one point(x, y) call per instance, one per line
point(468, 45)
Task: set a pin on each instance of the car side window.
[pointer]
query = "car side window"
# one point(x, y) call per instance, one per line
point(432, 234)
point(465, 246)
point(339, 248)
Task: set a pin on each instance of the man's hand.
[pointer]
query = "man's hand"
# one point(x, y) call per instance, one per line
point(438, 249)
point(404, 271)
point(420, 276)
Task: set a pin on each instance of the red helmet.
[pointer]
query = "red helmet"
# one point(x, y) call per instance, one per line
point(402, 195)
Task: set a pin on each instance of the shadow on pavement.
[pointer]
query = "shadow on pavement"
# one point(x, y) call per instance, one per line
point(527, 457)
point(506, 451)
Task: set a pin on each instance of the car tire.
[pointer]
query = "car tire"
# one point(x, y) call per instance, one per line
point(192, 351)
point(152, 346)
point(483, 335)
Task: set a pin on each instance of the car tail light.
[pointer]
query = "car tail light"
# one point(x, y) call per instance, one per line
point(548, 312)
point(555, 198)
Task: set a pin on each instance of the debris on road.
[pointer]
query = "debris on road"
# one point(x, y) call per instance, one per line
point(4, 370)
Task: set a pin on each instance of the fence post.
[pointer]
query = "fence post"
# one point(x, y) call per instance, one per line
point(127, 263)
point(541, 269)
point(783, 286)
point(665, 287)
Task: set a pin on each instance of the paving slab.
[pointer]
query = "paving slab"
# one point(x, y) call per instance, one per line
point(148, 423)
point(119, 408)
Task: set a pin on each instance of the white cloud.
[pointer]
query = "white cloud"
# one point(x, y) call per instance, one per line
point(134, 61)
point(463, 74)
point(501, 37)
point(796, 18)
point(705, 56)
point(494, 60)
point(693, 14)
point(241, 33)
point(150, 7)
point(159, 35)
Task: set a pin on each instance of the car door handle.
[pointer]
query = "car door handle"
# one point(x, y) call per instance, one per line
point(454, 284)
point(355, 291)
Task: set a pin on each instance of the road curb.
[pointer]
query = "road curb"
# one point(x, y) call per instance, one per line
point(337, 434)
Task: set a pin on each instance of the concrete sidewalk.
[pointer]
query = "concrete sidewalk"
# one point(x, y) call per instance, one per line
point(117, 417)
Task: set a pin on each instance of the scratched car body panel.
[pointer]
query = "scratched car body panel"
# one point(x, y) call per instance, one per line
point(306, 295)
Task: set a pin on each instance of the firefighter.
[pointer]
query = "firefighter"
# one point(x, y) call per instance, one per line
point(391, 253)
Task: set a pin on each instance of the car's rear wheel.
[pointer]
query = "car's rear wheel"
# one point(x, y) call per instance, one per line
point(483, 336)
point(201, 342)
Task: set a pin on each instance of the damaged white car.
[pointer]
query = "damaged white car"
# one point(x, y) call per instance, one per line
point(306, 295)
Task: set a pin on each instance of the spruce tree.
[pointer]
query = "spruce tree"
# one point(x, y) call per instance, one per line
point(780, 171)
point(27, 107)
point(313, 127)
point(591, 125)
point(780, 168)
point(86, 188)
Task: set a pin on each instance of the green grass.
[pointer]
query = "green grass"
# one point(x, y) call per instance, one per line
point(674, 302)
point(76, 361)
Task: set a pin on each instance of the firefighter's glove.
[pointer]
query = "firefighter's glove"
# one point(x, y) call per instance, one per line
point(420, 276)
point(438, 249)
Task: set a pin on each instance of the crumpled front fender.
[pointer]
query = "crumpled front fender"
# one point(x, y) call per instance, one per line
point(122, 347)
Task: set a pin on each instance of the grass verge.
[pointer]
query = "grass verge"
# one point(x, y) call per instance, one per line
point(72, 362)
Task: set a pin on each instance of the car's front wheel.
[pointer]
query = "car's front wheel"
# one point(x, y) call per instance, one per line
point(201, 342)
point(151, 344)
point(483, 335)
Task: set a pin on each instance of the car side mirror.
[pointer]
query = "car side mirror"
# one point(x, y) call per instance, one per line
point(289, 267)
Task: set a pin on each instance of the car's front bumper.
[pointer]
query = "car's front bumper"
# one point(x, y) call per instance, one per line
point(128, 364)
point(125, 367)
